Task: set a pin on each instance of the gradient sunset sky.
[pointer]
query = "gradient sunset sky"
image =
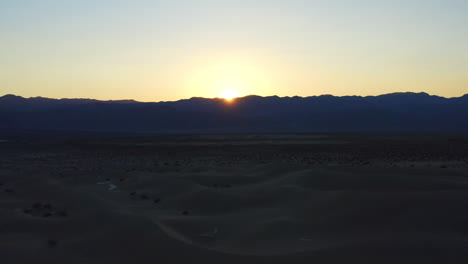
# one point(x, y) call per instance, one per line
point(174, 49)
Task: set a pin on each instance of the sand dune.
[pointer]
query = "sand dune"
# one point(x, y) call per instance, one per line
point(67, 203)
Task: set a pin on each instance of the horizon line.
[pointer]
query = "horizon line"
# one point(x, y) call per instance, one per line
point(241, 97)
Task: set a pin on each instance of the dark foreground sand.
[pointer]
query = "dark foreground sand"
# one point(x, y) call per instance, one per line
point(234, 199)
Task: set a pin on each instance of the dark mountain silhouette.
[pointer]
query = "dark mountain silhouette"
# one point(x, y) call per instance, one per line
point(398, 112)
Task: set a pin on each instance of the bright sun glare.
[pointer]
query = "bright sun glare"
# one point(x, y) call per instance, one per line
point(229, 94)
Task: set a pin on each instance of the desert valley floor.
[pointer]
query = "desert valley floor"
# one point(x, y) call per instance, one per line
point(234, 199)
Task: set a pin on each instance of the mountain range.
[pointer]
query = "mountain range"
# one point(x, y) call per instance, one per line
point(397, 112)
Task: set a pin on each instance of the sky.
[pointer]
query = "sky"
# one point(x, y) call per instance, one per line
point(174, 49)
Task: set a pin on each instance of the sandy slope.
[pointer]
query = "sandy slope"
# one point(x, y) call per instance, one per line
point(189, 205)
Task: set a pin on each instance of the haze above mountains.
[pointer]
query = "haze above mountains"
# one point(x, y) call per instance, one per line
point(398, 112)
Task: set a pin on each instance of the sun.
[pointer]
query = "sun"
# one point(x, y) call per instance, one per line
point(229, 94)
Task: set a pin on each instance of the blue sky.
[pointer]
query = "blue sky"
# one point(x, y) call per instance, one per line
point(168, 50)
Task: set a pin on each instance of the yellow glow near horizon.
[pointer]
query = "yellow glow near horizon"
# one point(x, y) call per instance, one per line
point(230, 78)
point(229, 94)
